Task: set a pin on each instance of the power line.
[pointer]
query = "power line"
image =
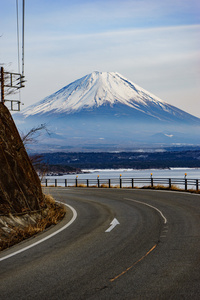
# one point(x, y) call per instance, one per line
point(17, 13)
point(23, 17)
point(18, 35)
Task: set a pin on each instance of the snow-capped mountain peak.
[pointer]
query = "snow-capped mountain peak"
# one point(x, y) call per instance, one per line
point(104, 109)
point(94, 90)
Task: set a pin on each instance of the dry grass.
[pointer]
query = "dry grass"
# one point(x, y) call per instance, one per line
point(117, 186)
point(81, 185)
point(51, 215)
point(172, 188)
point(156, 187)
point(104, 185)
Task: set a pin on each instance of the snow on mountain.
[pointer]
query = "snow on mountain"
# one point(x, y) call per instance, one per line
point(104, 108)
point(97, 89)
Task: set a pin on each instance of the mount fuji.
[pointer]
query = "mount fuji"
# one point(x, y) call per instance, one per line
point(105, 110)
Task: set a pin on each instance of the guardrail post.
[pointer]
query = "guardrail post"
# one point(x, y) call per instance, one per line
point(197, 184)
point(120, 181)
point(151, 181)
point(185, 184)
point(109, 183)
point(55, 182)
point(76, 181)
point(170, 183)
point(46, 180)
point(87, 182)
point(65, 182)
point(132, 183)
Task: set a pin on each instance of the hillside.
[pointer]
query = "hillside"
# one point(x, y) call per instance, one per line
point(24, 210)
point(20, 189)
point(136, 160)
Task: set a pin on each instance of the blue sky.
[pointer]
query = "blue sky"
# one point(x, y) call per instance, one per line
point(153, 43)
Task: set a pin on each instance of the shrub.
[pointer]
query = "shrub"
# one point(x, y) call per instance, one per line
point(51, 215)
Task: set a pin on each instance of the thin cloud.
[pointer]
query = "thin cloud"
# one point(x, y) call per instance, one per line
point(153, 43)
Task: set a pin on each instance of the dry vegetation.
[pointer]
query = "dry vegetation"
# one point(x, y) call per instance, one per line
point(27, 226)
point(155, 187)
point(173, 188)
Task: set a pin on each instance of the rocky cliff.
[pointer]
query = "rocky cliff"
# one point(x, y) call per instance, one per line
point(20, 188)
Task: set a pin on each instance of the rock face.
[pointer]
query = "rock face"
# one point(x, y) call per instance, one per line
point(20, 188)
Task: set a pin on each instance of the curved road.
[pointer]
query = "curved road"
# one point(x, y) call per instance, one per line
point(154, 253)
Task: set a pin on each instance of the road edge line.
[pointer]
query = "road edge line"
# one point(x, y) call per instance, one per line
point(155, 208)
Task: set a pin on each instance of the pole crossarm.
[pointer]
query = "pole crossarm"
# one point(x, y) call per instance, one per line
point(14, 80)
point(11, 81)
point(14, 105)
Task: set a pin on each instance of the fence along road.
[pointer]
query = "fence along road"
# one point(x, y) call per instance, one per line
point(184, 183)
point(153, 253)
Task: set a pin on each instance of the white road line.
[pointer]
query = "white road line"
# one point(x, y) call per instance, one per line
point(47, 237)
point(160, 212)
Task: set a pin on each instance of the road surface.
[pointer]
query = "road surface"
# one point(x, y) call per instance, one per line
point(123, 244)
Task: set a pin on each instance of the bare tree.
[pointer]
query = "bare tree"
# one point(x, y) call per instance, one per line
point(33, 134)
point(30, 138)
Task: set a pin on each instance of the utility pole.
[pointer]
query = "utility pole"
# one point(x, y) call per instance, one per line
point(2, 85)
point(11, 82)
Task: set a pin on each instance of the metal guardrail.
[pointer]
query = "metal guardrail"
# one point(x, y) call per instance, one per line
point(184, 183)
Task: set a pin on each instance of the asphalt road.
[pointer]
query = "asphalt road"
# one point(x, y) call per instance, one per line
point(154, 253)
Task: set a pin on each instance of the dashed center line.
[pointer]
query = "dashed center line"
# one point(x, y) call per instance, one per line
point(153, 248)
point(125, 271)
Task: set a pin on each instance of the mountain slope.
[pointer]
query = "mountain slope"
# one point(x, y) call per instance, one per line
point(101, 89)
point(106, 107)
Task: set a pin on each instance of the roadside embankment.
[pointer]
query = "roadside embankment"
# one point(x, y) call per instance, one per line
point(24, 209)
point(16, 228)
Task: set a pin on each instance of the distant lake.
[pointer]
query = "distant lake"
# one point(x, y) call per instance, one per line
point(130, 173)
point(138, 178)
